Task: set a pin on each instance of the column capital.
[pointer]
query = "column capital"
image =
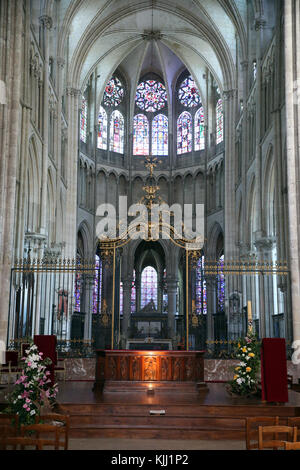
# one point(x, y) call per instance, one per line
point(172, 284)
point(46, 21)
point(60, 62)
point(265, 243)
point(127, 283)
point(73, 92)
point(259, 23)
point(229, 94)
point(244, 65)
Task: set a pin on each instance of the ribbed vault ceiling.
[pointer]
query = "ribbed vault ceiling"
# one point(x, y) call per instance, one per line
point(197, 34)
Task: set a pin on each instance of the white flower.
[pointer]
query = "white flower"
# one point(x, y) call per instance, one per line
point(239, 381)
point(32, 412)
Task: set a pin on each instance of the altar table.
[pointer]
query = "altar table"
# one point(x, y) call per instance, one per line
point(139, 368)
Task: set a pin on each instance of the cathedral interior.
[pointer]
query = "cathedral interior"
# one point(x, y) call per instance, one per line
point(186, 102)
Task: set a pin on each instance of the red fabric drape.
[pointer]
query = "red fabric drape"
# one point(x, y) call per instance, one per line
point(47, 345)
point(274, 370)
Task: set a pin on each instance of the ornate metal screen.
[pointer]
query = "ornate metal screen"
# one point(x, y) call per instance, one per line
point(79, 302)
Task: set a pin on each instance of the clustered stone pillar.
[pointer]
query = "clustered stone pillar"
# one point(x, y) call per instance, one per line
point(229, 208)
point(172, 297)
point(292, 75)
point(46, 24)
point(127, 286)
point(11, 29)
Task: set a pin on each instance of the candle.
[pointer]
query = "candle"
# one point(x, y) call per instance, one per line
point(249, 310)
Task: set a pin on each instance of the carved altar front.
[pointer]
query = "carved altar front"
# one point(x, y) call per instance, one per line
point(119, 369)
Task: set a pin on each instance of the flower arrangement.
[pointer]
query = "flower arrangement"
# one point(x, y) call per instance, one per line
point(245, 378)
point(32, 391)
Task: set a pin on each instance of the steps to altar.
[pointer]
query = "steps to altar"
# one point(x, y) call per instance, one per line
point(206, 415)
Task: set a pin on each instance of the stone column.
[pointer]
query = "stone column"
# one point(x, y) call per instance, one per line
point(259, 25)
point(72, 165)
point(46, 24)
point(59, 133)
point(264, 247)
point(88, 304)
point(11, 29)
point(172, 295)
point(211, 307)
point(127, 285)
point(292, 83)
point(229, 209)
point(244, 152)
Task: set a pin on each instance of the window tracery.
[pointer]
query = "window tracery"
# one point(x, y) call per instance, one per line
point(151, 96)
point(102, 129)
point(116, 143)
point(114, 93)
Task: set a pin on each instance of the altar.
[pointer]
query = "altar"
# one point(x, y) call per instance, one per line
point(137, 370)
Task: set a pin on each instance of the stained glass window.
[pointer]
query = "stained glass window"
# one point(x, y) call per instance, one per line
point(199, 130)
point(201, 293)
point(133, 295)
point(114, 92)
point(219, 121)
point(221, 284)
point(160, 135)
point(121, 298)
point(77, 287)
point(102, 129)
point(83, 120)
point(188, 93)
point(151, 96)
point(140, 135)
point(97, 285)
point(184, 133)
point(116, 140)
point(148, 286)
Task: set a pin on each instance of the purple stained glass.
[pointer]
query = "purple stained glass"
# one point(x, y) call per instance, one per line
point(133, 295)
point(219, 122)
point(83, 120)
point(188, 93)
point(116, 143)
point(201, 293)
point(148, 286)
point(140, 135)
point(160, 135)
point(121, 298)
point(184, 133)
point(77, 290)
point(97, 285)
point(102, 129)
point(77, 287)
point(221, 284)
point(114, 92)
point(151, 96)
point(199, 130)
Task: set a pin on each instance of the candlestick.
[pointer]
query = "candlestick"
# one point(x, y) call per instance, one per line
point(249, 310)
